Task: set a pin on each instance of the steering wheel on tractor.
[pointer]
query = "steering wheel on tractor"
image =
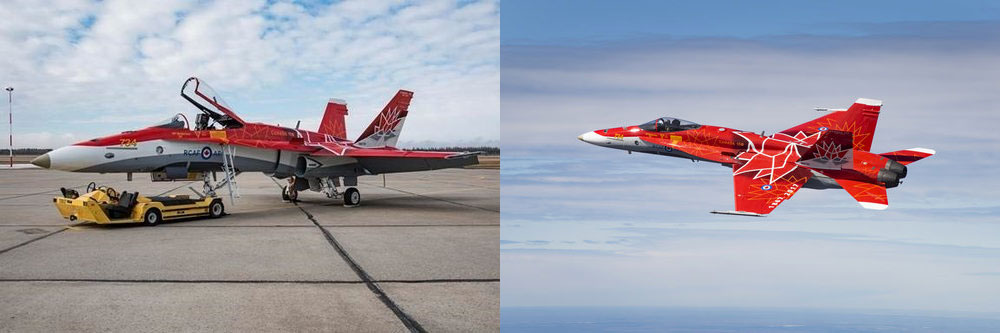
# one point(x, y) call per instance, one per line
point(110, 191)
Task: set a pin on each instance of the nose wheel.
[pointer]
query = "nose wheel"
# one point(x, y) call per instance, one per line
point(288, 193)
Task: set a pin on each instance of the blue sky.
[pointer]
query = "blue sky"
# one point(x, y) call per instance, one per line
point(590, 22)
point(584, 225)
point(101, 67)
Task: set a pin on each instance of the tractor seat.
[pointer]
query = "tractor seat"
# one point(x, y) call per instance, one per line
point(124, 206)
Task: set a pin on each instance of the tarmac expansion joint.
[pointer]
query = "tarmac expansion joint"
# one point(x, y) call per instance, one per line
point(407, 321)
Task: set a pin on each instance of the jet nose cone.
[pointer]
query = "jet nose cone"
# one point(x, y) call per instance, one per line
point(42, 161)
point(590, 137)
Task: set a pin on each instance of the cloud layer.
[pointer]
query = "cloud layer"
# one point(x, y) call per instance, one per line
point(274, 61)
point(585, 225)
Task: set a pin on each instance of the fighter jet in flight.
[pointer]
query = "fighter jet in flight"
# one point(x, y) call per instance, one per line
point(831, 151)
point(221, 141)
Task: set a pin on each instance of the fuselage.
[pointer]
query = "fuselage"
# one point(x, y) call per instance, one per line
point(729, 147)
point(831, 151)
point(721, 140)
point(262, 148)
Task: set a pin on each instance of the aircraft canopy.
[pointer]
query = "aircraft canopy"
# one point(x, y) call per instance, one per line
point(667, 124)
point(209, 102)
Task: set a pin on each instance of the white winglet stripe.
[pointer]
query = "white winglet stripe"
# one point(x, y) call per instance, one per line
point(868, 101)
point(923, 150)
point(872, 205)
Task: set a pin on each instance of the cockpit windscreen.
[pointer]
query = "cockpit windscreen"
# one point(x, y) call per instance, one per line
point(178, 121)
point(667, 124)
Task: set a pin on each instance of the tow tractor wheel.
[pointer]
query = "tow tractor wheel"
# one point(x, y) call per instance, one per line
point(216, 209)
point(152, 217)
point(352, 197)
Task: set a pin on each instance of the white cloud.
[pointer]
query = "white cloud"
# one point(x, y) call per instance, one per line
point(585, 225)
point(553, 93)
point(279, 60)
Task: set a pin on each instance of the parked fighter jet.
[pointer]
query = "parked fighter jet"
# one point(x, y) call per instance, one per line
point(828, 152)
point(320, 161)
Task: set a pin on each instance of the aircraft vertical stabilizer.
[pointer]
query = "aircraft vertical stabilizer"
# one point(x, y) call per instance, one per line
point(385, 129)
point(333, 119)
point(861, 119)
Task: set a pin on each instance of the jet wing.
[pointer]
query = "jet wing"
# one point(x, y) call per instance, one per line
point(758, 196)
point(337, 149)
point(859, 119)
point(389, 159)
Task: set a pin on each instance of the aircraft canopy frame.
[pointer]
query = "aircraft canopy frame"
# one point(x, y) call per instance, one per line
point(208, 101)
point(669, 124)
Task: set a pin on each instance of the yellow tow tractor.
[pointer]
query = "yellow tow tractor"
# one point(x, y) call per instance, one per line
point(102, 204)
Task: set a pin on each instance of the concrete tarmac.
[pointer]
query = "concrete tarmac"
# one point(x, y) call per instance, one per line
point(420, 254)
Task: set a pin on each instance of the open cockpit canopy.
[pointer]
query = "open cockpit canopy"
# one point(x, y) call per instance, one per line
point(667, 124)
point(208, 101)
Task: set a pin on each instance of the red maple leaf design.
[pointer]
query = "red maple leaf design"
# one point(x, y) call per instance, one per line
point(774, 166)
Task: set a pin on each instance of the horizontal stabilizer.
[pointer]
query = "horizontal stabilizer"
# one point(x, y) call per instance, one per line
point(733, 212)
point(907, 156)
point(869, 196)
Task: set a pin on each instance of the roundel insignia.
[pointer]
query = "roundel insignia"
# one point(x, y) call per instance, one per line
point(823, 129)
point(766, 187)
point(206, 153)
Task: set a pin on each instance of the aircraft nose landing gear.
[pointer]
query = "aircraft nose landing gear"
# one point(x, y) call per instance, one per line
point(288, 192)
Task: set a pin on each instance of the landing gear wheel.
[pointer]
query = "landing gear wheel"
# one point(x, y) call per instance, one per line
point(216, 209)
point(152, 217)
point(352, 197)
point(289, 194)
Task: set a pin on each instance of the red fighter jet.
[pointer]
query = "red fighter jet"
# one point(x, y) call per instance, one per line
point(320, 161)
point(831, 151)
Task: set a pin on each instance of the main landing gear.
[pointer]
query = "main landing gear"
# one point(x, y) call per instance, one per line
point(326, 185)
